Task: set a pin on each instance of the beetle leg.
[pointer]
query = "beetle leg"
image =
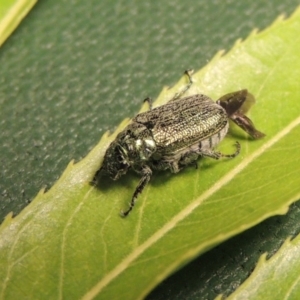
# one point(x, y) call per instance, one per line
point(146, 173)
point(149, 100)
point(188, 73)
point(195, 163)
point(174, 167)
point(236, 104)
point(218, 155)
point(178, 95)
point(237, 151)
point(234, 101)
point(189, 158)
point(245, 123)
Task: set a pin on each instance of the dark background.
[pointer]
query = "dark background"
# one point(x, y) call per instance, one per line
point(74, 69)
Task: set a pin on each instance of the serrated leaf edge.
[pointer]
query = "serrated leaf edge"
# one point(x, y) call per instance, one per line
point(263, 260)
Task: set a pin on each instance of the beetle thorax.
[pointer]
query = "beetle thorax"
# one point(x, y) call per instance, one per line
point(136, 144)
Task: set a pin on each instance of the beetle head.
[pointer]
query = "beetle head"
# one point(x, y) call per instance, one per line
point(131, 149)
point(114, 164)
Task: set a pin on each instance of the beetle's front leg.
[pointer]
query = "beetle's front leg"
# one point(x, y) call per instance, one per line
point(149, 100)
point(188, 73)
point(178, 95)
point(146, 173)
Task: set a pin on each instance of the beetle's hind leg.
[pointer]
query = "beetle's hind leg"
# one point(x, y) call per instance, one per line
point(146, 173)
point(236, 153)
point(236, 104)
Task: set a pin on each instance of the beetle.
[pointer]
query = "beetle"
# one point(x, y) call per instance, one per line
point(175, 135)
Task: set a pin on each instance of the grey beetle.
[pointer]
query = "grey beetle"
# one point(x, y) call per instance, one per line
point(175, 135)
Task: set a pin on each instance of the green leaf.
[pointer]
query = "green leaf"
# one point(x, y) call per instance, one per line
point(11, 14)
point(71, 242)
point(279, 275)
